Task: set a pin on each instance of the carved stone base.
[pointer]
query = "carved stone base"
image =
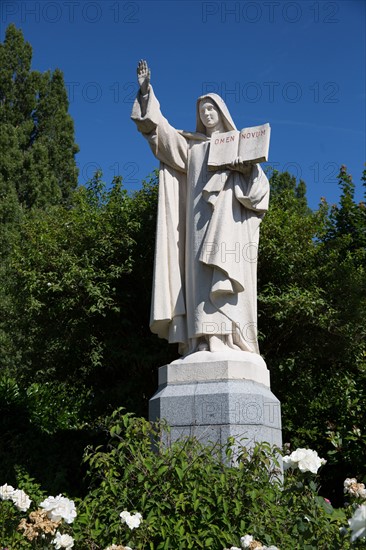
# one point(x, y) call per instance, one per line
point(216, 399)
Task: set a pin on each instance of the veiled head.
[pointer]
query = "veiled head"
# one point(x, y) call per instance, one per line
point(218, 111)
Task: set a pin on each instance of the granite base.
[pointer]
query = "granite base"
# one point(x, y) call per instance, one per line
point(217, 399)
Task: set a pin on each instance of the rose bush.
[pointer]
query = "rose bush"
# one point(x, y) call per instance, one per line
point(188, 498)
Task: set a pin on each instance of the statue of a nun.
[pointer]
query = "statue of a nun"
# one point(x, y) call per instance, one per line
point(205, 274)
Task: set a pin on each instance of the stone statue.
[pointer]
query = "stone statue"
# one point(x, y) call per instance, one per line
point(205, 274)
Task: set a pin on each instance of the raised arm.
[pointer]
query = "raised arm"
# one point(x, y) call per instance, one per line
point(143, 78)
point(167, 144)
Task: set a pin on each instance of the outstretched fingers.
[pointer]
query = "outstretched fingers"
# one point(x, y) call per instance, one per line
point(142, 68)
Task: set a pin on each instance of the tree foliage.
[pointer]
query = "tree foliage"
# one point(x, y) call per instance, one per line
point(37, 163)
point(312, 309)
point(80, 284)
point(76, 312)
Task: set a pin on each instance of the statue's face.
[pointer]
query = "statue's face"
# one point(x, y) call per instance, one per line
point(209, 114)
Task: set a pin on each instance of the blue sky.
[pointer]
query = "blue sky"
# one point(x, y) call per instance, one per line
point(299, 65)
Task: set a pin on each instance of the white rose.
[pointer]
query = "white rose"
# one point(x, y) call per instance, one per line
point(132, 520)
point(246, 540)
point(349, 481)
point(288, 463)
point(362, 491)
point(355, 489)
point(63, 541)
point(6, 492)
point(306, 460)
point(357, 523)
point(59, 507)
point(21, 500)
point(118, 547)
point(311, 462)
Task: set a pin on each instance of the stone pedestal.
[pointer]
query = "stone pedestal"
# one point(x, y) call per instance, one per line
point(213, 396)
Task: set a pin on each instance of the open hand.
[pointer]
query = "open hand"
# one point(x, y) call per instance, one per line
point(143, 76)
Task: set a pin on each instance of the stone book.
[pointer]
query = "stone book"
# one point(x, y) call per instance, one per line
point(251, 144)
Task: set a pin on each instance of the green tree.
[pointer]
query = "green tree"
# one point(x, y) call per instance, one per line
point(79, 283)
point(342, 272)
point(76, 335)
point(37, 133)
point(312, 309)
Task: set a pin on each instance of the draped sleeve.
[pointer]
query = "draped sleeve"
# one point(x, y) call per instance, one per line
point(253, 192)
point(166, 143)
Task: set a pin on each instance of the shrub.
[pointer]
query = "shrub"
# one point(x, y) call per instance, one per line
point(190, 498)
point(149, 494)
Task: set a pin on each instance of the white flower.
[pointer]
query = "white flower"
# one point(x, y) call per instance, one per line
point(357, 523)
point(288, 463)
point(306, 460)
point(58, 508)
point(63, 541)
point(349, 481)
point(132, 520)
point(21, 500)
point(246, 540)
point(353, 488)
point(18, 496)
point(118, 547)
point(6, 492)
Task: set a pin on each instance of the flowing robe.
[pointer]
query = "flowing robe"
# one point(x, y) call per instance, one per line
point(207, 237)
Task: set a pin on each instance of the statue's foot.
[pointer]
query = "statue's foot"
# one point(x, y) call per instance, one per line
point(230, 342)
point(217, 343)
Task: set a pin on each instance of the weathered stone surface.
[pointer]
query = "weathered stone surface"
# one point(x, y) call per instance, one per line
point(206, 366)
point(214, 401)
